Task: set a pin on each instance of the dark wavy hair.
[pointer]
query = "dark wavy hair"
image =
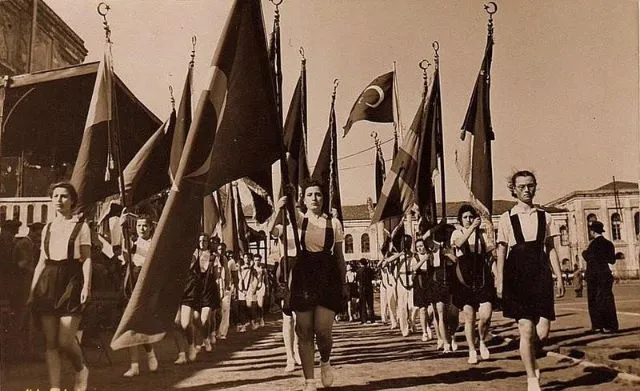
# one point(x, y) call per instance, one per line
point(511, 185)
point(311, 183)
point(73, 193)
point(464, 209)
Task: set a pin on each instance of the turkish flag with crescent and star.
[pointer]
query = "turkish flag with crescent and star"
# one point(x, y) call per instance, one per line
point(375, 102)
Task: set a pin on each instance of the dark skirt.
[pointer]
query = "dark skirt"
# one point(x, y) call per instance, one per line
point(475, 284)
point(528, 284)
point(135, 273)
point(193, 288)
point(210, 291)
point(353, 290)
point(57, 291)
point(442, 284)
point(420, 289)
point(316, 282)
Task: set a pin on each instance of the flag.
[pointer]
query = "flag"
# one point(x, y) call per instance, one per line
point(294, 139)
point(146, 174)
point(380, 171)
point(241, 223)
point(229, 228)
point(326, 169)
point(473, 152)
point(94, 173)
point(395, 145)
point(398, 194)
point(183, 122)
point(431, 151)
point(236, 116)
point(375, 102)
point(211, 214)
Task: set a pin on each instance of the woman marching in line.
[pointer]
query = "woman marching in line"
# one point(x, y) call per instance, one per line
point(61, 285)
point(261, 290)
point(352, 304)
point(317, 285)
point(526, 254)
point(139, 250)
point(476, 290)
point(400, 262)
point(200, 297)
point(421, 299)
point(247, 288)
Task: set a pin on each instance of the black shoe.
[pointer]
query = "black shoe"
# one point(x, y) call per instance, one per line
point(608, 331)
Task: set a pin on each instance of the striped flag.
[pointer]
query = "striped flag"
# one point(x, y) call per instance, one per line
point(398, 194)
point(294, 138)
point(236, 116)
point(146, 174)
point(473, 152)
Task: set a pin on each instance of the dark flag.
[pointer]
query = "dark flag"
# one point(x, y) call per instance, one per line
point(326, 169)
point(398, 194)
point(473, 153)
point(94, 174)
point(146, 174)
point(241, 223)
point(294, 139)
point(236, 116)
point(211, 214)
point(183, 122)
point(374, 104)
point(395, 145)
point(431, 151)
point(380, 171)
point(229, 227)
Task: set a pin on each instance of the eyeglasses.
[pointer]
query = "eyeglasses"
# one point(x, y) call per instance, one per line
point(522, 187)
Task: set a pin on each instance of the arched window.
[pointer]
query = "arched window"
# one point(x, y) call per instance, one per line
point(16, 212)
point(564, 235)
point(636, 223)
point(616, 227)
point(3, 213)
point(348, 244)
point(364, 243)
point(44, 212)
point(591, 217)
point(29, 214)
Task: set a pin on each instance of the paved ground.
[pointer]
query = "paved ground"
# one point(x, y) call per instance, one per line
point(371, 357)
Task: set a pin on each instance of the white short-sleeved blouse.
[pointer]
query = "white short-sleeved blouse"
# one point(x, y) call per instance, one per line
point(528, 222)
point(314, 237)
point(60, 233)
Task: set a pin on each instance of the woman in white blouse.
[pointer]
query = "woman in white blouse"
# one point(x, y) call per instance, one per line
point(318, 290)
point(61, 285)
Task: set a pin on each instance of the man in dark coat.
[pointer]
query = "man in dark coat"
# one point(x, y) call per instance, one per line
point(599, 254)
point(365, 282)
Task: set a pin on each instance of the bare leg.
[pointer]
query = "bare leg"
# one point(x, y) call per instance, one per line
point(323, 325)
point(304, 330)
point(68, 342)
point(441, 308)
point(527, 354)
point(469, 323)
point(50, 326)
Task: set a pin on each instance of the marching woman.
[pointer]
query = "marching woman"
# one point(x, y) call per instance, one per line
point(350, 279)
point(61, 285)
point(526, 254)
point(199, 298)
point(475, 290)
point(318, 291)
point(247, 288)
point(262, 280)
point(404, 278)
point(139, 250)
point(421, 300)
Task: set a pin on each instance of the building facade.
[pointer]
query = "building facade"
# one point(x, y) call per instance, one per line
point(55, 45)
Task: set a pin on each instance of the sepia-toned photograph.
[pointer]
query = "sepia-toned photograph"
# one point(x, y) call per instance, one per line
point(354, 195)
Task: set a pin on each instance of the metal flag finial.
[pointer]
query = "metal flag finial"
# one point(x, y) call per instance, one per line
point(436, 57)
point(173, 99)
point(194, 39)
point(491, 8)
point(103, 9)
point(424, 64)
point(301, 51)
point(336, 83)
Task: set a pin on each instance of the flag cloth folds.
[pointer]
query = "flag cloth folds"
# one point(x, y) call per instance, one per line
point(183, 122)
point(294, 139)
point(94, 173)
point(431, 152)
point(398, 194)
point(380, 171)
point(236, 116)
point(146, 174)
point(375, 102)
point(211, 213)
point(229, 226)
point(473, 152)
point(326, 169)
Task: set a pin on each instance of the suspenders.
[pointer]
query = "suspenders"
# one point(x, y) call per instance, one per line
point(517, 228)
point(70, 243)
point(328, 235)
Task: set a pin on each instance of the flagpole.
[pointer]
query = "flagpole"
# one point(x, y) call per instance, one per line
point(303, 103)
point(284, 168)
point(398, 123)
point(332, 159)
point(438, 115)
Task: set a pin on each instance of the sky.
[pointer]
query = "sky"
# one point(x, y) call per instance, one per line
point(564, 92)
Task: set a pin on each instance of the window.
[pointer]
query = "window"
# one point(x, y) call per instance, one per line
point(616, 227)
point(29, 214)
point(364, 243)
point(591, 217)
point(348, 244)
point(636, 223)
point(564, 235)
point(16, 212)
point(44, 211)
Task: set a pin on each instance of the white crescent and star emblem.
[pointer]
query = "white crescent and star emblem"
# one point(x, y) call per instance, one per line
point(377, 103)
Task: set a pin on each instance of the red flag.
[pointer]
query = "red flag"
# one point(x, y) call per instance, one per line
point(473, 153)
point(94, 173)
point(398, 194)
point(375, 102)
point(236, 116)
point(326, 169)
point(146, 173)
